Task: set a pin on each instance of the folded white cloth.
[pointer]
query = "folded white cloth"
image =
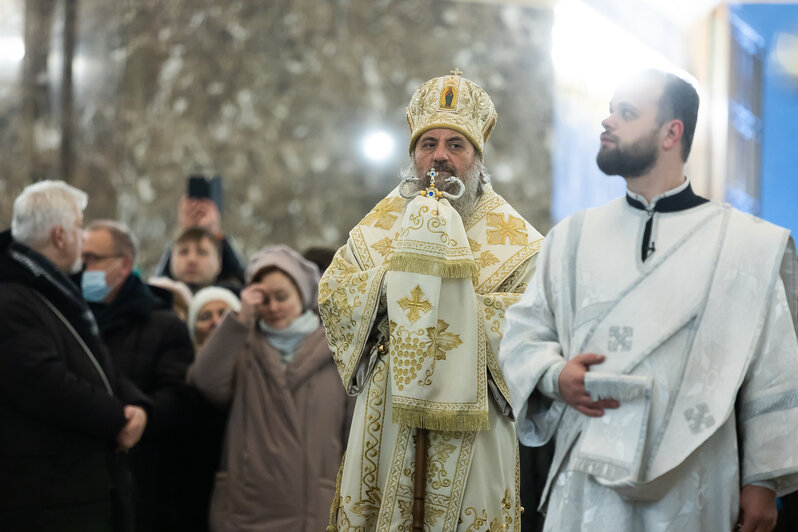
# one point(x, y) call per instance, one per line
point(611, 446)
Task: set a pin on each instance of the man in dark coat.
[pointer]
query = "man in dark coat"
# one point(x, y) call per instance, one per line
point(151, 346)
point(65, 415)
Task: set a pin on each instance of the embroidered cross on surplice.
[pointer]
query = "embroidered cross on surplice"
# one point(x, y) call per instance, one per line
point(415, 304)
point(699, 417)
point(620, 339)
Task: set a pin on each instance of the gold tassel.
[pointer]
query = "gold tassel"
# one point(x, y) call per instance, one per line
point(446, 421)
point(426, 265)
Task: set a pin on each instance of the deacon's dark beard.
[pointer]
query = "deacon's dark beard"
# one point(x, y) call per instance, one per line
point(631, 161)
point(473, 179)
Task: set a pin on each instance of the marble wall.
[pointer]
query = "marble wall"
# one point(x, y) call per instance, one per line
point(275, 96)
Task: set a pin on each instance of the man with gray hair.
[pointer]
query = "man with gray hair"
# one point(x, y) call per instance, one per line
point(65, 416)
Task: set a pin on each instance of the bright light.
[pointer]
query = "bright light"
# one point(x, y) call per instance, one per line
point(787, 53)
point(378, 146)
point(12, 49)
point(589, 51)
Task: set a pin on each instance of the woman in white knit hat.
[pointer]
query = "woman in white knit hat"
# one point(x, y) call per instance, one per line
point(207, 308)
point(289, 415)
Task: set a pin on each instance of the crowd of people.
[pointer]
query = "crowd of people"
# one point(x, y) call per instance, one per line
point(385, 386)
point(146, 404)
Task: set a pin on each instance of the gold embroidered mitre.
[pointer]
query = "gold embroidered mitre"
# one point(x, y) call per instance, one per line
point(452, 102)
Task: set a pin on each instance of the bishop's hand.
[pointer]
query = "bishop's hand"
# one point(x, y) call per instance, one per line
point(572, 386)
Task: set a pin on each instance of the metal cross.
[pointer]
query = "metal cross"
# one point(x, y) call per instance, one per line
point(415, 304)
point(431, 190)
point(699, 417)
point(456, 72)
point(620, 338)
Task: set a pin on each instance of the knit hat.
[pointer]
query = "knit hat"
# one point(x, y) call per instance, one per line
point(206, 295)
point(303, 272)
point(177, 288)
point(452, 102)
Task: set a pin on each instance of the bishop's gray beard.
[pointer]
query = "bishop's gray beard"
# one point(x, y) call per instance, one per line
point(473, 178)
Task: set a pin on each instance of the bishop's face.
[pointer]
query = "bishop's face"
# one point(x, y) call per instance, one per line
point(631, 139)
point(446, 150)
point(451, 154)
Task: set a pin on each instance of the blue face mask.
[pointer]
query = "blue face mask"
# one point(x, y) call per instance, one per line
point(93, 286)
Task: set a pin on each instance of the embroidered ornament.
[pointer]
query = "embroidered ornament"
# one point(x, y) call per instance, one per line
point(437, 341)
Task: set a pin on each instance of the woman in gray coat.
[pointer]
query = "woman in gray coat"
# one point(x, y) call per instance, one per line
point(289, 414)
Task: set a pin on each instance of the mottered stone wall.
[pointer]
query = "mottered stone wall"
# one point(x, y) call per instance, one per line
point(276, 96)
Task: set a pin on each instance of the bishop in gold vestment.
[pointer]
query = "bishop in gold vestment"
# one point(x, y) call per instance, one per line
point(414, 307)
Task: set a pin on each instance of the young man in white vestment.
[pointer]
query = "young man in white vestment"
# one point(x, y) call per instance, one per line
point(656, 343)
point(414, 309)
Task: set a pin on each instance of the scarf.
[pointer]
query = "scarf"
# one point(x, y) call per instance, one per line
point(287, 340)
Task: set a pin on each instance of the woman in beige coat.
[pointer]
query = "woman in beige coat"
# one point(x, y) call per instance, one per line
point(289, 415)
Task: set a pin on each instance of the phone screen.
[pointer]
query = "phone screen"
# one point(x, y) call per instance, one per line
point(198, 187)
point(201, 187)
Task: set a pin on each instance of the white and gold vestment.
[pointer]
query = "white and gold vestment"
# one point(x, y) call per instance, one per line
point(413, 363)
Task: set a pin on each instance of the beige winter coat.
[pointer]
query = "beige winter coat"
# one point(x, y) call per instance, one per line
point(286, 433)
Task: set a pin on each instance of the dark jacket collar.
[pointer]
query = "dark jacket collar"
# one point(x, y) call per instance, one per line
point(134, 302)
point(21, 265)
point(681, 199)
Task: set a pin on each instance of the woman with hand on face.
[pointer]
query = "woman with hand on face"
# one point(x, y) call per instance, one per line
point(289, 414)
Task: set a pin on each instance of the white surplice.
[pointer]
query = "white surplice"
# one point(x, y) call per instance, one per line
point(700, 345)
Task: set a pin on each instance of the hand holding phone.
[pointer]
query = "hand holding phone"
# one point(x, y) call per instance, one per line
point(200, 187)
point(195, 212)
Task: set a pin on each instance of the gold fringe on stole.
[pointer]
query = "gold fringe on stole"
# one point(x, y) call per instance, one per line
point(447, 421)
point(436, 266)
point(336, 502)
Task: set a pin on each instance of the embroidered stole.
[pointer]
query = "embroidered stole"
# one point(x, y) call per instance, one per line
point(437, 341)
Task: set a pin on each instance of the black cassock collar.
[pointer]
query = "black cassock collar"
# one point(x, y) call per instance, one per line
point(681, 201)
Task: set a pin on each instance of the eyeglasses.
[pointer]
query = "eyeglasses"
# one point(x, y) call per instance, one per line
point(91, 258)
